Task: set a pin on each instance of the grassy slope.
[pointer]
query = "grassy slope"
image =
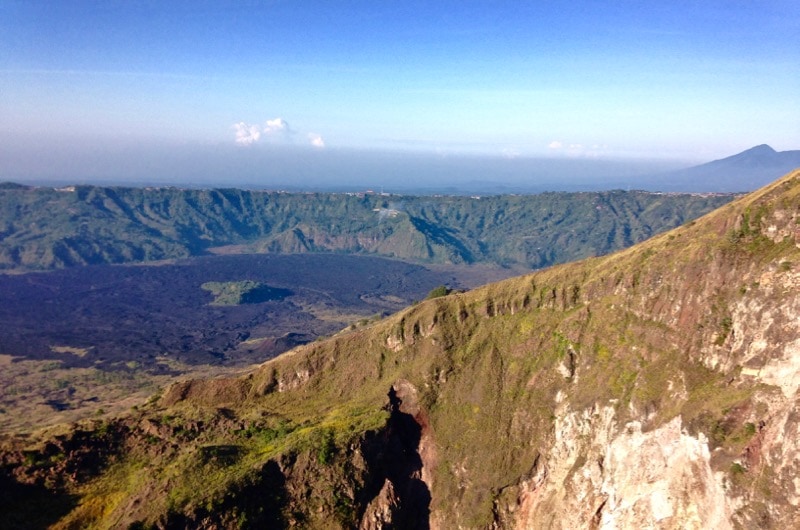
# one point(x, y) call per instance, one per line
point(488, 365)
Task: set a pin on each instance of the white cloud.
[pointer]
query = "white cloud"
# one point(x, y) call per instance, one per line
point(277, 126)
point(555, 144)
point(246, 134)
point(316, 140)
point(276, 131)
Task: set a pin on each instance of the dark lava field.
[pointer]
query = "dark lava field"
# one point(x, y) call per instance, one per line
point(115, 317)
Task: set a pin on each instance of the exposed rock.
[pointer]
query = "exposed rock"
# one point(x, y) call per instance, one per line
point(379, 514)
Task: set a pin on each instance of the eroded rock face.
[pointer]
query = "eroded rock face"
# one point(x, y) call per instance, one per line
point(380, 512)
point(605, 476)
point(604, 471)
point(401, 455)
point(662, 478)
point(602, 476)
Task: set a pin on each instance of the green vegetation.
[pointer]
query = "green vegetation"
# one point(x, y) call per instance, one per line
point(737, 469)
point(243, 292)
point(43, 228)
point(438, 292)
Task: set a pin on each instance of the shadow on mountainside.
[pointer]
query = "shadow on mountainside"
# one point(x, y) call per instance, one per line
point(31, 506)
point(393, 456)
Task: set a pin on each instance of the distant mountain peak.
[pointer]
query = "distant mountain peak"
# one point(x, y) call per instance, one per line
point(750, 169)
point(761, 152)
point(763, 148)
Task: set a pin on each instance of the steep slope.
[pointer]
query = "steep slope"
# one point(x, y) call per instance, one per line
point(656, 387)
point(44, 228)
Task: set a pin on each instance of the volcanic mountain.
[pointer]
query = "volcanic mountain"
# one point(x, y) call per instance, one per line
point(745, 171)
point(656, 387)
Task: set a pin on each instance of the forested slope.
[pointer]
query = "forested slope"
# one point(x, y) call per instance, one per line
point(45, 228)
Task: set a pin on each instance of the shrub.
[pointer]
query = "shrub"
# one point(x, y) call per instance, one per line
point(325, 447)
point(438, 292)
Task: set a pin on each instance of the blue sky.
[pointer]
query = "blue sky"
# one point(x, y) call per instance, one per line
point(88, 86)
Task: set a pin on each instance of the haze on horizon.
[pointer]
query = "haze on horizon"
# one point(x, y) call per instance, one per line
point(368, 94)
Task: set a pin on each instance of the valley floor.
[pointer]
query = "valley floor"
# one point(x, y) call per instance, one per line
point(88, 341)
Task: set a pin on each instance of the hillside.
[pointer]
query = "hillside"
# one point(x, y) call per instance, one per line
point(45, 228)
point(655, 387)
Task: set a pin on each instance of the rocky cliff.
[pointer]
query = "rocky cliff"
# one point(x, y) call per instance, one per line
point(653, 388)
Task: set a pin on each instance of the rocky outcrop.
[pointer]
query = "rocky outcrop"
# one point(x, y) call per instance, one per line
point(381, 512)
point(400, 459)
point(601, 476)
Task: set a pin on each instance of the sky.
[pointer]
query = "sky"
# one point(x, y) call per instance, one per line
point(284, 92)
